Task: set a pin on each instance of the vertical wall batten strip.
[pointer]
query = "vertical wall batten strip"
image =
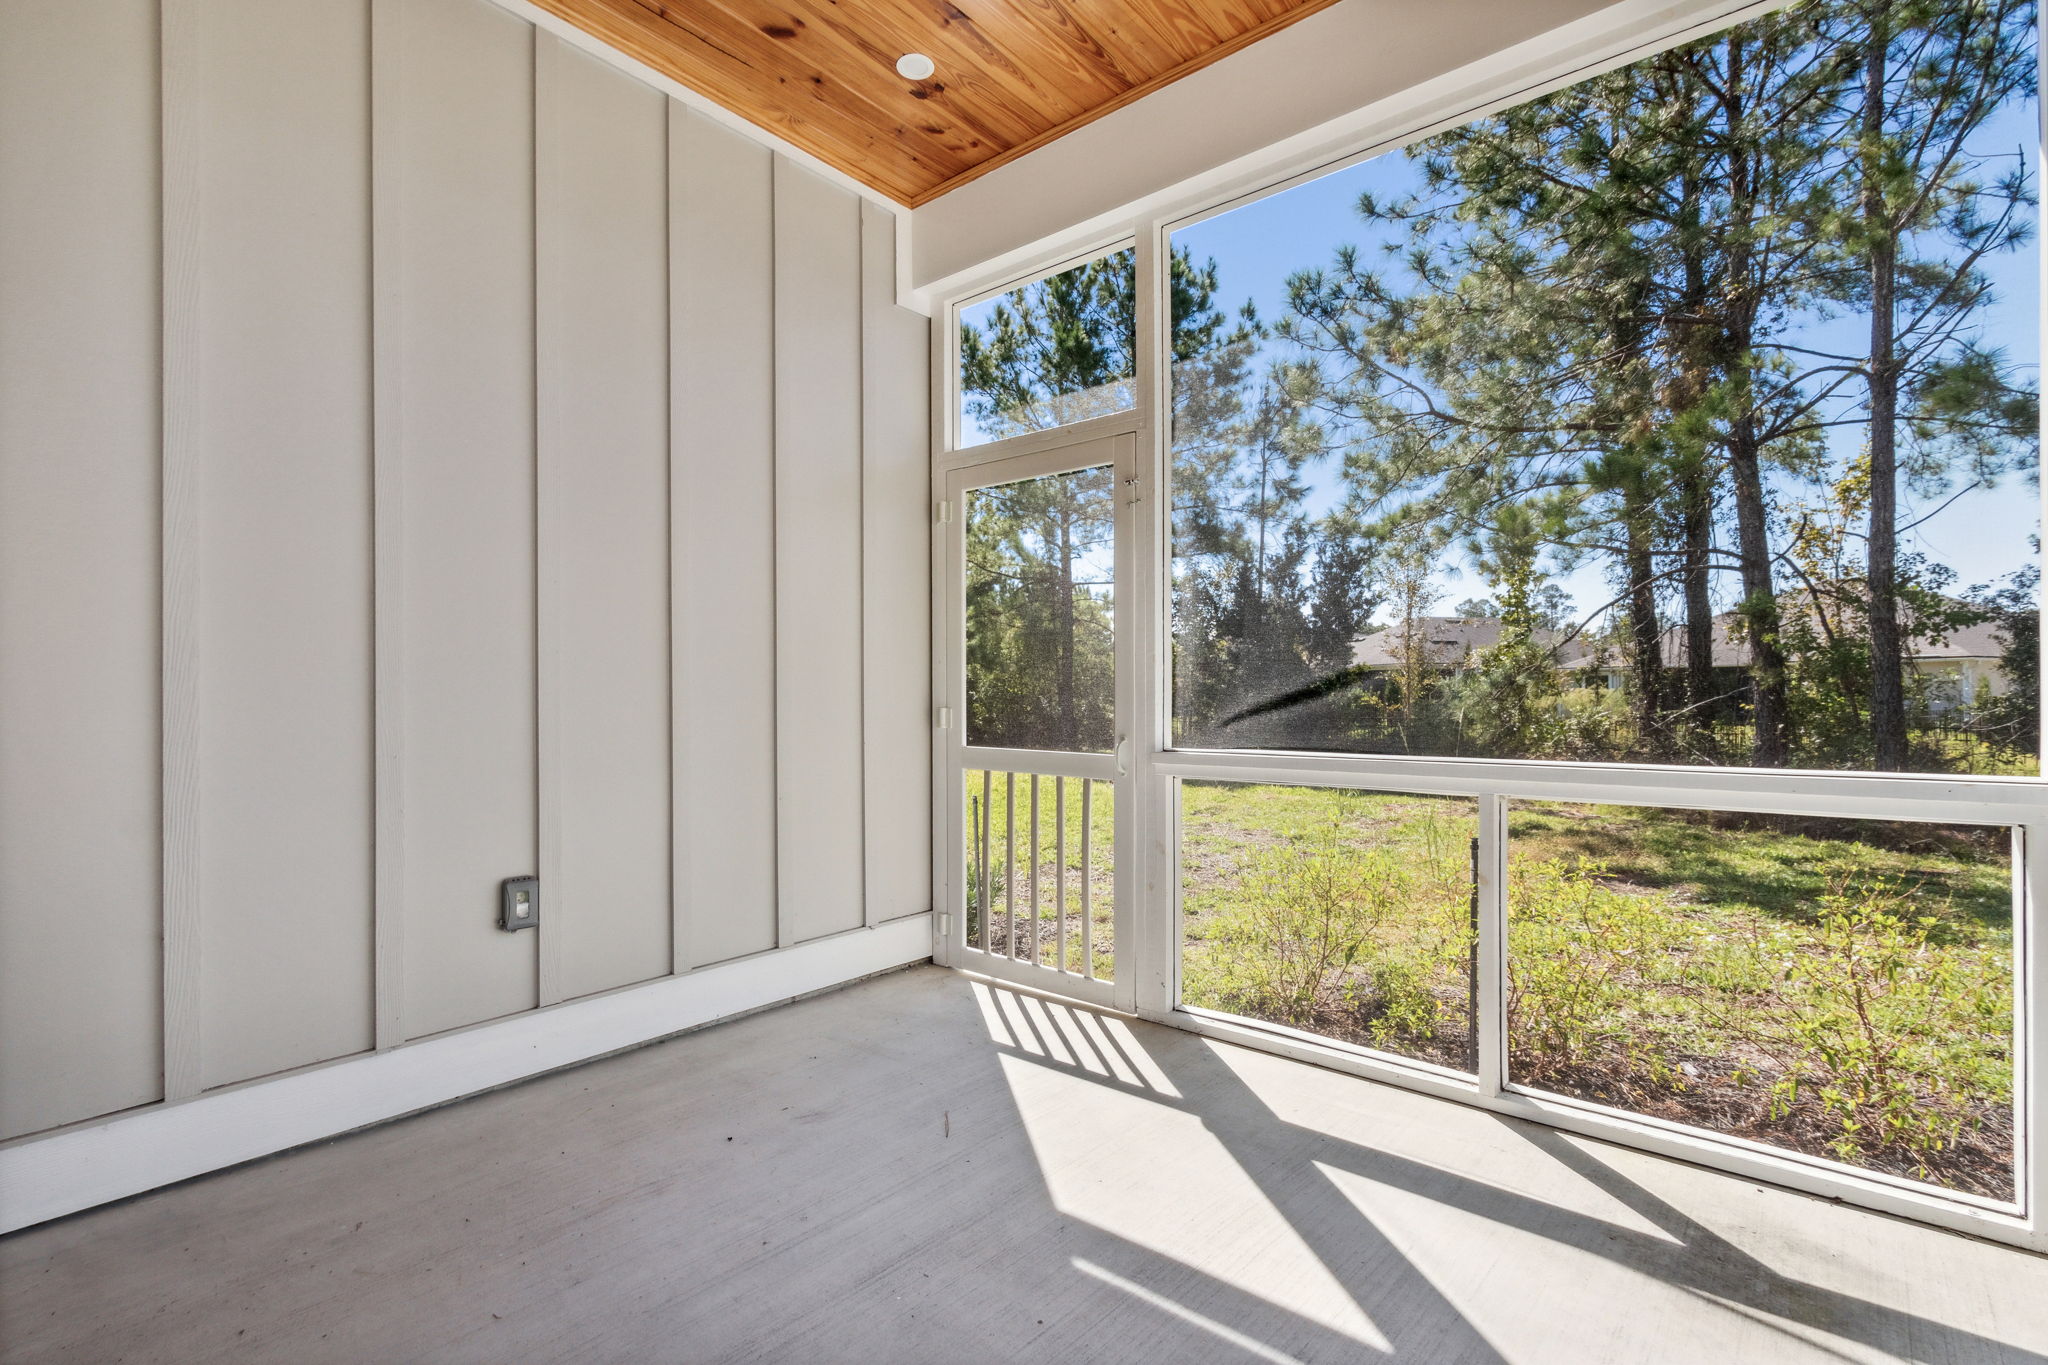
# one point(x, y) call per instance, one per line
point(679, 844)
point(179, 39)
point(669, 523)
point(722, 467)
point(388, 528)
point(602, 207)
point(557, 899)
point(820, 791)
point(784, 936)
point(946, 685)
point(864, 316)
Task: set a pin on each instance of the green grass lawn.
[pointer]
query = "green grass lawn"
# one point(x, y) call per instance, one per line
point(1837, 987)
point(1774, 866)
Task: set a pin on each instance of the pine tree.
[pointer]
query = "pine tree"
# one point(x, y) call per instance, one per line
point(1930, 75)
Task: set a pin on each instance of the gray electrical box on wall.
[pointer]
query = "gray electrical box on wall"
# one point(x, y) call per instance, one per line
point(519, 904)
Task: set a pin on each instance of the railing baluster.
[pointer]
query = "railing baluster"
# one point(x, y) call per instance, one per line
point(1059, 868)
point(972, 898)
point(1010, 864)
point(1031, 882)
point(1087, 880)
point(988, 856)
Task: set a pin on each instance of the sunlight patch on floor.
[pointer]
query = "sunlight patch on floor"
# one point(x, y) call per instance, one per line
point(1563, 1263)
point(1253, 1347)
point(991, 1016)
point(1081, 1038)
point(1155, 1176)
point(1418, 1130)
point(1823, 1345)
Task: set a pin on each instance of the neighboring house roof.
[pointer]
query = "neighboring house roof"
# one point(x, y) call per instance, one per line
point(1971, 642)
point(1450, 640)
point(1730, 651)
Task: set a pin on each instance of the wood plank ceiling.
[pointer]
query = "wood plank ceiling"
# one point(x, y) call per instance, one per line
point(1012, 74)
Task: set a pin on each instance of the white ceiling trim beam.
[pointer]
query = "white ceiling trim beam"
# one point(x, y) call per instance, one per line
point(1345, 83)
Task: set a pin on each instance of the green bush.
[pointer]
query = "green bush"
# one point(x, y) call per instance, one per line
point(1883, 1026)
point(1580, 956)
point(1302, 915)
point(1318, 928)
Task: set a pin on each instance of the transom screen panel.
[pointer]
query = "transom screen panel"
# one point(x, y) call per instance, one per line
point(1051, 353)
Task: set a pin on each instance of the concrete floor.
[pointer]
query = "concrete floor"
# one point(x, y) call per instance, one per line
point(922, 1169)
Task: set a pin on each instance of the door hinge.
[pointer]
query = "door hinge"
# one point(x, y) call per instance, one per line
point(945, 513)
point(945, 925)
point(945, 718)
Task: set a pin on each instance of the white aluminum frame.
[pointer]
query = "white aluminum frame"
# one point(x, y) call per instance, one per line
point(1147, 830)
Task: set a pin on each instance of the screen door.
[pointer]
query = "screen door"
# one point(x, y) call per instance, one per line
point(1039, 677)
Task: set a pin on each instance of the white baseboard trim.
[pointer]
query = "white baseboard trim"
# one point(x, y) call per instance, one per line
point(48, 1177)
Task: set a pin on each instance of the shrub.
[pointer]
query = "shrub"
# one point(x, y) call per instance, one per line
point(1319, 927)
point(1583, 963)
point(1302, 915)
point(1881, 1026)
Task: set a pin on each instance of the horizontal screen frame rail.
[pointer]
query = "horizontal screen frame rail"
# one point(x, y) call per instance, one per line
point(1461, 1083)
point(1054, 983)
point(1039, 762)
point(1925, 798)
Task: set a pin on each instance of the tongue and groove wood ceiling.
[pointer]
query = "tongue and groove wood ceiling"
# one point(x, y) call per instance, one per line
point(1012, 74)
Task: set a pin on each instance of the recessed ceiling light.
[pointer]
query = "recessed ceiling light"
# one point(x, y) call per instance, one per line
point(915, 66)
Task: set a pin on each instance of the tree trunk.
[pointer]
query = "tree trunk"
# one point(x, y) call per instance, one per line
point(1639, 485)
point(1887, 662)
point(1769, 711)
point(1646, 645)
point(1697, 538)
point(1412, 646)
point(1771, 744)
point(1692, 376)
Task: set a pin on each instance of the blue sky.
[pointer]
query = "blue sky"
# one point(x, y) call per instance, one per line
point(1983, 535)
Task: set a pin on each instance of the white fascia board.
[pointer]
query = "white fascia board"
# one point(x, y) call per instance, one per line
point(1349, 81)
point(709, 108)
point(93, 1163)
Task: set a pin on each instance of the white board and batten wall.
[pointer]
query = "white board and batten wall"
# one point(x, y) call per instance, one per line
point(428, 455)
